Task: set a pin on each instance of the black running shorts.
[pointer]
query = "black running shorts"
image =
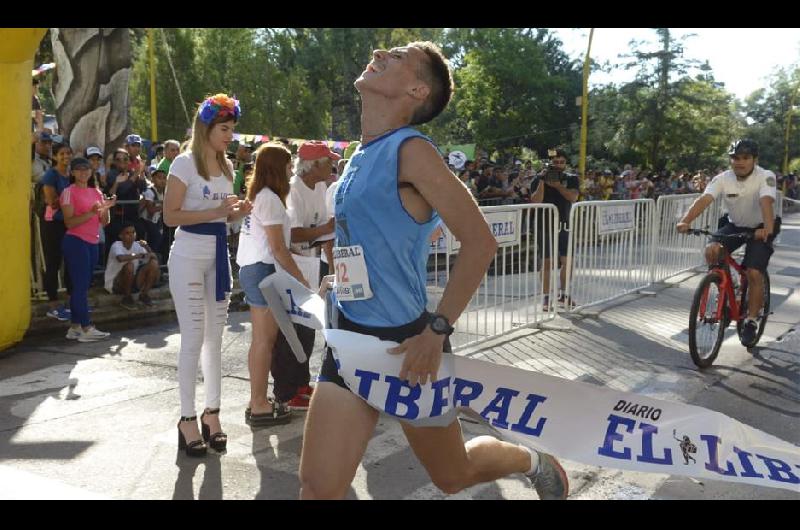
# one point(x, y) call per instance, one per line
point(330, 373)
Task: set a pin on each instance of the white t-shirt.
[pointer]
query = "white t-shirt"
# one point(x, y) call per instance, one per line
point(740, 197)
point(114, 266)
point(201, 194)
point(152, 195)
point(268, 210)
point(307, 209)
point(330, 196)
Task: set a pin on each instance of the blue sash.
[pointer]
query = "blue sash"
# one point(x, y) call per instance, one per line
point(223, 266)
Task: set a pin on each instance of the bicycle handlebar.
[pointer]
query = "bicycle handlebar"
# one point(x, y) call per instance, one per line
point(703, 232)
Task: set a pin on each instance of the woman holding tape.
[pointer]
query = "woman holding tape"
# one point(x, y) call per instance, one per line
point(199, 200)
point(263, 243)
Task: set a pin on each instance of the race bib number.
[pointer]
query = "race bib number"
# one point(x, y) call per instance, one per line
point(352, 281)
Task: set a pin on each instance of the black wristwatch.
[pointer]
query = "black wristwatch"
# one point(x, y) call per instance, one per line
point(439, 324)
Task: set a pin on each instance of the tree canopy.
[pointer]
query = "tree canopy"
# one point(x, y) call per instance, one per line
point(515, 88)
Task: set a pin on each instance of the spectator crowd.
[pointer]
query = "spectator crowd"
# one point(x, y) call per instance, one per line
point(494, 183)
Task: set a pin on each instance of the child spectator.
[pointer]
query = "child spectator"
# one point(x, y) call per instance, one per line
point(132, 267)
point(152, 205)
point(83, 209)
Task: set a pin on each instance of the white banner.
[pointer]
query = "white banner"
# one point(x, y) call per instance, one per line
point(577, 421)
point(573, 420)
point(615, 218)
point(301, 306)
point(445, 243)
point(505, 226)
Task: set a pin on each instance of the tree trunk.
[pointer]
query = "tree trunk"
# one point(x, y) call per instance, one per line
point(91, 85)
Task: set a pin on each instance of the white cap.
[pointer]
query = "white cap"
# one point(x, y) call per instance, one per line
point(94, 151)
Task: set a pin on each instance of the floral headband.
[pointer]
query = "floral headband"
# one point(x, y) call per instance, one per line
point(219, 105)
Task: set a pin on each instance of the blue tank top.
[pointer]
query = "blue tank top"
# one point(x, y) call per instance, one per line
point(369, 213)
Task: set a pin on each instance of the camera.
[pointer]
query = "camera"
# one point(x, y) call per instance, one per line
point(552, 175)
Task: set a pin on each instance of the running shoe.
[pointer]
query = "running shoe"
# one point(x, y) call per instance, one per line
point(549, 480)
point(92, 334)
point(749, 332)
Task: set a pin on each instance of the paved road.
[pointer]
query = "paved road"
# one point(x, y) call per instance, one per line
point(98, 420)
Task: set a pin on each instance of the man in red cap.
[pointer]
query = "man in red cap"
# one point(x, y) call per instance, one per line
point(312, 234)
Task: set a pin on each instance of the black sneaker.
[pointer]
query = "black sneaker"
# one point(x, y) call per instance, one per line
point(749, 331)
point(566, 302)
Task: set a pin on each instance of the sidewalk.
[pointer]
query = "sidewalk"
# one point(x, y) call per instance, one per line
point(99, 419)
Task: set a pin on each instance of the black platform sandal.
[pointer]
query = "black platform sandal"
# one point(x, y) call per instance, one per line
point(195, 448)
point(278, 416)
point(219, 440)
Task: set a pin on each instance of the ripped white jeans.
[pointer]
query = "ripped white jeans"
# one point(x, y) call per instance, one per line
point(192, 284)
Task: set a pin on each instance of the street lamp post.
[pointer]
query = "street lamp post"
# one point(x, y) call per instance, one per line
point(788, 128)
point(585, 108)
point(153, 107)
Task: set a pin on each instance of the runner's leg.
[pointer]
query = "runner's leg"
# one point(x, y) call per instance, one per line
point(339, 424)
point(454, 465)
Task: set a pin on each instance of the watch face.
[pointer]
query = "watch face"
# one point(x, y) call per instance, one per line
point(439, 325)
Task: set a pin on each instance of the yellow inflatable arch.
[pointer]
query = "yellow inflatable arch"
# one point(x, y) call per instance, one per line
point(17, 48)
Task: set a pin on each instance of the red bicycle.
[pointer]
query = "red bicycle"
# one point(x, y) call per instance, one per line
point(717, 302)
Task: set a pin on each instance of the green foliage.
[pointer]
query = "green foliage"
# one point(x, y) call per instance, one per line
point(515, 88)
point(767, 110)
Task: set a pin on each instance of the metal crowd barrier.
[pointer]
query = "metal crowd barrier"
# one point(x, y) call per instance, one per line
point(610, 249)
point(510, 294)
point(676, 252)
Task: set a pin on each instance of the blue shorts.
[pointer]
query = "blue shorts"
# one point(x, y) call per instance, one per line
point(249, 278)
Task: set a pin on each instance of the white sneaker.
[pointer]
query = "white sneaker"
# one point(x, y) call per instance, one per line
point(92, 334)
point(74, 333)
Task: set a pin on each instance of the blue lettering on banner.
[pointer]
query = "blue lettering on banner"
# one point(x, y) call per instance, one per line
point(499, 405)
point(367, 378)
point(440, 400)
point(462, 399)
point(607, 449)
point(713, 443)
point(524, 420)
point(647, 447)
point(294, 308)
point(505, 228)
point(779, 470)
point(395, 397)
point(744, 459)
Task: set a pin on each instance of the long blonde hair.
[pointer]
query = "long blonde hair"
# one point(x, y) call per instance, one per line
point(199, 141)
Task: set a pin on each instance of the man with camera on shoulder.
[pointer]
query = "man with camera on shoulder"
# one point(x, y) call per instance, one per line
point(555, 186)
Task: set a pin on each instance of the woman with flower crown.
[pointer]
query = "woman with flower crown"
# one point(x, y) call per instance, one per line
point(199, 200)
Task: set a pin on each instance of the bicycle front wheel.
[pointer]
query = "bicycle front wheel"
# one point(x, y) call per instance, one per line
point(705, 329)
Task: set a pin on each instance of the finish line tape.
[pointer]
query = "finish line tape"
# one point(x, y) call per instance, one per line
point(578, 421)
point(573, 420)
